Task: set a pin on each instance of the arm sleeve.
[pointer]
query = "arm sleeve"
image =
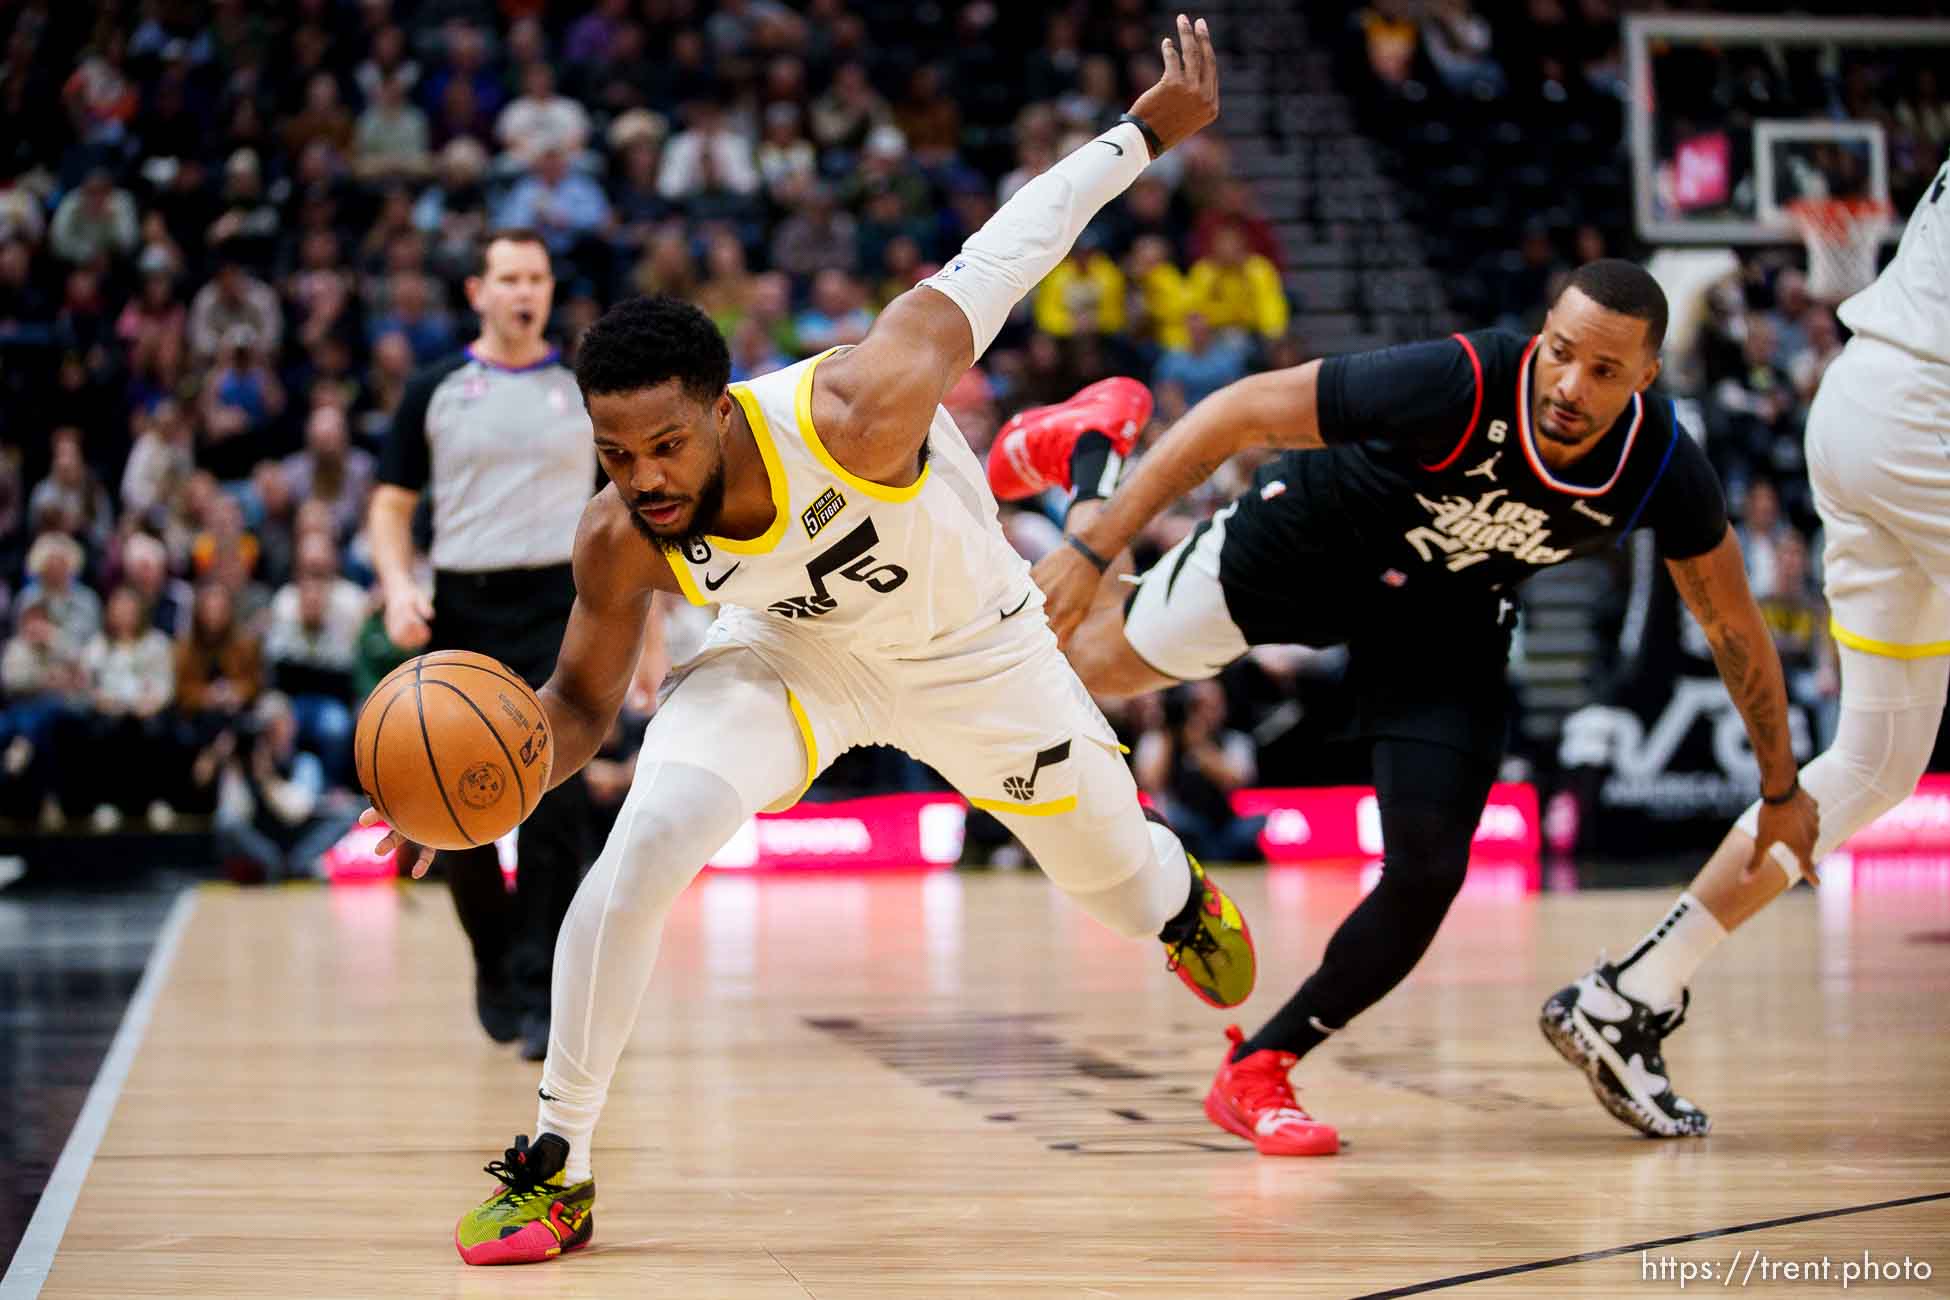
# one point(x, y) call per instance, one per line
point(406, 460)
point(1686, 511)
point(1421, 397)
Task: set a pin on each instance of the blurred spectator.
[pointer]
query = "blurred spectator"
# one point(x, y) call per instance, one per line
point(837, 315)
point(240, 403)
point(1190, 762)
point(1459, 42)
point(131, 678)
point(541, 120)
point(324, 119)
point(1159, 297)
point(818, 236)
point(234, 299)
point(219, 665)
point(841, 118)
point(636, 140)
point(1390, 34)
point(1821, 345)
point(1797, 616)
point(1761, 531)
point(392, 141)
point(96, 221)
point(145, 571)
point(787, 162)
point(414, 315)
point(563, 205)
point(331, 470)
point(276, 817)
point(387, 59)
point(248, 226)
point(71, 499)
point(311, 648)
point(1208, 361)
point(160, 461)
point(1083, 295)
point(54, 583)
point(1235, 288)
point(452, 212)
point(153, 327)
point(592, 34)
point(41, 677)
point(930, 119)
point(707, 149)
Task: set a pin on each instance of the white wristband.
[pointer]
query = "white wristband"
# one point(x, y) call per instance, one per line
point(1031, 234)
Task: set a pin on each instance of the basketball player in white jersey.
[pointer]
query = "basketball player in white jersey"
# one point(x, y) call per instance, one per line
point(836, 513)
point(1879, 459)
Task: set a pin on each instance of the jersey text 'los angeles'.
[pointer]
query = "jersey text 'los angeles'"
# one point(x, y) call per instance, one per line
point(1432, 473)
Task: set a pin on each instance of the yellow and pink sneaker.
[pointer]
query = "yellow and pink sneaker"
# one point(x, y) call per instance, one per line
point(535, 1216)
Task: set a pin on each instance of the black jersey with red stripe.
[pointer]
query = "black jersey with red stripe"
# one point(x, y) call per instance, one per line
point(1431, 473)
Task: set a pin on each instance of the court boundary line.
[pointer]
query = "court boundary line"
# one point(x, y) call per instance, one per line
point(34, 1259)
point(1463, 1279)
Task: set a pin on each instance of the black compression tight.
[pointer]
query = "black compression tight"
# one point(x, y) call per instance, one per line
point(1431, 798)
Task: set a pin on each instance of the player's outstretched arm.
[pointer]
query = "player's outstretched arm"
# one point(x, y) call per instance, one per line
point(1714, 586)
point(1276, 409)
point(874, 403)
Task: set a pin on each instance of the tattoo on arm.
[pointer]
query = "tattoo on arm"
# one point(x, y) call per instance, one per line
point(1745, 658)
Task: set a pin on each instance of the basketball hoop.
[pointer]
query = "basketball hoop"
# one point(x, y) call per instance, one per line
point(1842, 237)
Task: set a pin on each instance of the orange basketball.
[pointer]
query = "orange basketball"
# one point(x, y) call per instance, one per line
point(453, 749)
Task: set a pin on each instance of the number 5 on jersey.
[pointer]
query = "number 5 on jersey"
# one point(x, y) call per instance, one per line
point(850, 557)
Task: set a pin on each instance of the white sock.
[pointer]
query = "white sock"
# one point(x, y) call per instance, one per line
point(575, 1122)
point(1657, 971)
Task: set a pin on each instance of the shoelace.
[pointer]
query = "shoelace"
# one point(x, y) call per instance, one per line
point(515, 1174)
point(1197, 938)
point(1262, 1091)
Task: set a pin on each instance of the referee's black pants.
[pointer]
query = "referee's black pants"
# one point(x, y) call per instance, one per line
point(518, 616)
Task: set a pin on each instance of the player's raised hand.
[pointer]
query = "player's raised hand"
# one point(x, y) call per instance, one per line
point(1187, 96)
point(418, 855)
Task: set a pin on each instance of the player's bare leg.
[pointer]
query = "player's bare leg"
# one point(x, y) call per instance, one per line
point(1610, 1024)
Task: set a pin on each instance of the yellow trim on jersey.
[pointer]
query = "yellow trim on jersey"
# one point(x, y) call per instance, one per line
point(680, 569)
point(774, 471)
point(812, 753)
point(1887, 649)
point(802, 404)
point(1048, 808)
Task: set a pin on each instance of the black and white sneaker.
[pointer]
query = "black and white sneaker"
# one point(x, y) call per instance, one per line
point(1614, 1039)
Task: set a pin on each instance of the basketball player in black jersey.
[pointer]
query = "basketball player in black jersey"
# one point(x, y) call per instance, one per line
point(1420, 486)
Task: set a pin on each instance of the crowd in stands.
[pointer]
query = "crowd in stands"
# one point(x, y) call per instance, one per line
point(229, 233)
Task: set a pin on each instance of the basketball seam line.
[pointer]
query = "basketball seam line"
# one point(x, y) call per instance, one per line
point(479, 668)
point(420, 709)
point(521, 789)
point(378, 730)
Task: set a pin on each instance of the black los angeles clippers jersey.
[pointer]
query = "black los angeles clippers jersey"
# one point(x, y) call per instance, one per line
point(1432, 473)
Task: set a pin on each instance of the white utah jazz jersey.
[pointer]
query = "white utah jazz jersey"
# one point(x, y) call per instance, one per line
point(1909, 303)
point(879, 570)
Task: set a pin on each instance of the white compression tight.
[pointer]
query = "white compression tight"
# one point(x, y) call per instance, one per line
point(1889, 717)
point(722, 746)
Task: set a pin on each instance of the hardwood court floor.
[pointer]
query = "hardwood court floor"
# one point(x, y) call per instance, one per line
point(956, 1086)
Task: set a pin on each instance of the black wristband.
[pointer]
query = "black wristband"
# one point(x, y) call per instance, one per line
point(1151, 140)
point(1794, 788)
point(1077, 544)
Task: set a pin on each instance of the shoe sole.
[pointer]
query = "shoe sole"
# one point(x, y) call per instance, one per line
point(574, 1243)
point(1221, 1114)
point(1581, 1045)
point(1252, 979)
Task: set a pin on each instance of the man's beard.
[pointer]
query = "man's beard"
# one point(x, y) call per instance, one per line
point(710, 503)
point(1545, 429)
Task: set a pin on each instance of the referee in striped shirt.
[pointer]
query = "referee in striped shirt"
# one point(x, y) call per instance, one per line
point(496, 438)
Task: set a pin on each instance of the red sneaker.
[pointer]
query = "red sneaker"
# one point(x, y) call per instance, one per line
point(1254, 1098)
point(1032, 451)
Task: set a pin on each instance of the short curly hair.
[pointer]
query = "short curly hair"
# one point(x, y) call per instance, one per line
point(642, 342)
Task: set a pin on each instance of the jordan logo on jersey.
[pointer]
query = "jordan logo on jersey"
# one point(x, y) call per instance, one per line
point(1023, 789)
point(820, 513)
point(1466, 532)
point(1486, 470)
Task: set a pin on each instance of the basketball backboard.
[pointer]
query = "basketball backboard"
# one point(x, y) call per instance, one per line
point(1731, 119)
